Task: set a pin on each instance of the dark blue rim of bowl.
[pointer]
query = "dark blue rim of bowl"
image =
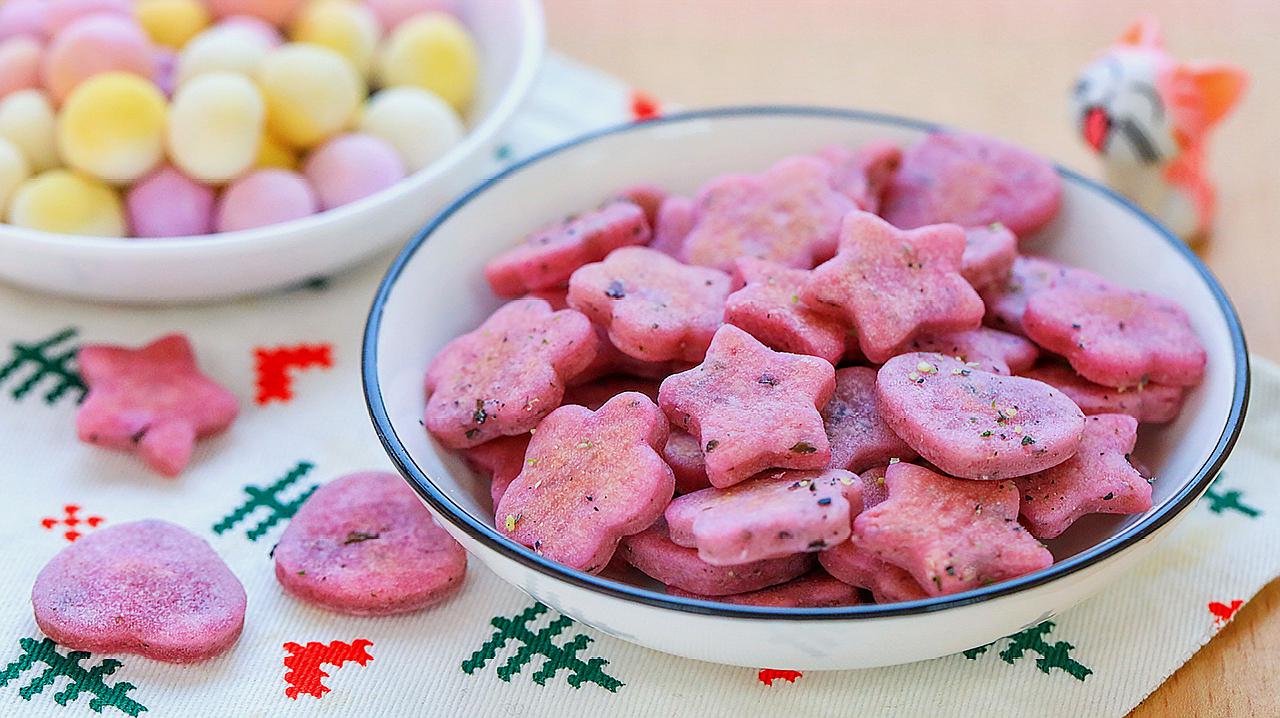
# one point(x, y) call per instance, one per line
point(488, 536)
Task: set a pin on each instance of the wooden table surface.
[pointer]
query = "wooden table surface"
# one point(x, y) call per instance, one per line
point(1003, 68)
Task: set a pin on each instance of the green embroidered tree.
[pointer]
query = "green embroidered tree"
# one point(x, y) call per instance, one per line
point(46, 359)
point(558, 658)
point(269, 498)
point(80, 679)
point(1052, 655)
point(1228, 500)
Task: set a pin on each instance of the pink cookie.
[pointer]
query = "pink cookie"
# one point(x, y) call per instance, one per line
point(1149, 404)
point(502, 378)
point(859, 437)
point(62, 13)
point(752, 408)
point(873, 488)
point(789, 215)
point(648, 197)
point(153, 401)
point(609, 360)
point(276, 12)
point(772, 515)
point(1007, 300)
point(93, 45)
point(989, 253)
point(1097, 480)
point(589, 479)
point(365, 545)
point(683, 453)
point(351, 167)
point(501, 460)
point(972, 181)
point(864, 174)
point(1117, 337)
point(769, 309)
point(812, 590)
point(952, 535)
point(264, 197)
point(893, 285)
point(24, 17)
point(654, 307)
point(167, 203)
point(854, 565)
point(672, 224)
point(653, 553)
point(144, 587)
point(974, 424)
point(547, 257)
point(593, 395)
point(989, 349)
point(20, 64)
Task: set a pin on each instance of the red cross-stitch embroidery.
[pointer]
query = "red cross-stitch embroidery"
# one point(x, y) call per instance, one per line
point(769, 675)
point(304, 664)
point(1223, 612)
point(73, 521)
point(644, 106)
point(273, 367)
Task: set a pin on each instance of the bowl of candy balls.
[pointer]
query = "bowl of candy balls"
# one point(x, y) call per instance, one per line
point(803, 387)
point(189, 150)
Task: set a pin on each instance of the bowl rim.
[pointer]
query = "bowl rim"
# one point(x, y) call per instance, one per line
point(491, 539)
point(532, 46)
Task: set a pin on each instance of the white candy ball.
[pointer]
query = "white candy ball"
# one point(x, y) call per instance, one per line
point(27, 119)
point(215, 126)
point(416, 122)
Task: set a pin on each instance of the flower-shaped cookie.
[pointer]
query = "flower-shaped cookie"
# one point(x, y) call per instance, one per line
point(989, 349)
point(1150, 403)
point(658, 557)
point(812, 590)
point(863, 174)
point(769, 309)
point(1006, 300)
point(989, 253)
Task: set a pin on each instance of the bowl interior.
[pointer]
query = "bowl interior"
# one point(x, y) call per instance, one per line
point(439, 291)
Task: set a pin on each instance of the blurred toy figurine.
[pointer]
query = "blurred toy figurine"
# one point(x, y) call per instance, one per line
point(1149, 117)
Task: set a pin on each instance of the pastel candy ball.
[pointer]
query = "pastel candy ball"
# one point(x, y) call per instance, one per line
point(215, 126)
point(264, 197)
point(19, 64)
point(14, 170)
point(23, 17)
point(165, 74)
point(276, 12)
point(224, 48)
point(265, 31)
point(112, 126)
point(94, 45)
point(62, 13)
point(27, 120)
point(167, 203)
point(311, 92)
point(393, 12)
point(346, 27)
point(273, 153)
point(350, 167)
point(67, 203)
point(434, 52)
point(365, 545)
point(171, 22)
point(420, 125)
point(145, 587)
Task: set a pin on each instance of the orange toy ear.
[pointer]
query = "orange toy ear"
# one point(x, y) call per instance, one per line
point(1219, 84)
point(1144, 32)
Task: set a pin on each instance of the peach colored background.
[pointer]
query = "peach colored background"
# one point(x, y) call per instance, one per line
point(1003, 68)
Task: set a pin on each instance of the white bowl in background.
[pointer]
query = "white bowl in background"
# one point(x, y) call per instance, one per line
point(510, 36)
point(435, 291)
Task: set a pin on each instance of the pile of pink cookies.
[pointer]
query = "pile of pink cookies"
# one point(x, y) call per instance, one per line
point(834, 379)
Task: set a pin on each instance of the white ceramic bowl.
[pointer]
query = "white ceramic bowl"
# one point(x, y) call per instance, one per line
point(510, 35)
point(435, 291)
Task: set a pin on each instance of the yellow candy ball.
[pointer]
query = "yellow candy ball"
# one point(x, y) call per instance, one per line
point(215, 125)
point(348, 28)
point(432, 51)
point(14, 170)
point(274, 155)
point(222, 49)
point(312, 93)
point(68, 203)
point(28, 121)
point(112, 127)
point(171, 22)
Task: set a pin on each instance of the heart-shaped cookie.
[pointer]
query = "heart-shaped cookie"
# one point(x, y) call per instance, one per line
point(145, 587)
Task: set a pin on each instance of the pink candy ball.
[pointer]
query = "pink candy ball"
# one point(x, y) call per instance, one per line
point(167, 203)
point(164, 75)
point(268, 32)
point(19, 64)
point(91, 46)
point(264, 197)
point(23, 17)
point(394, 12)
point(62, 13)
point(349, 167)
point(276, 12)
